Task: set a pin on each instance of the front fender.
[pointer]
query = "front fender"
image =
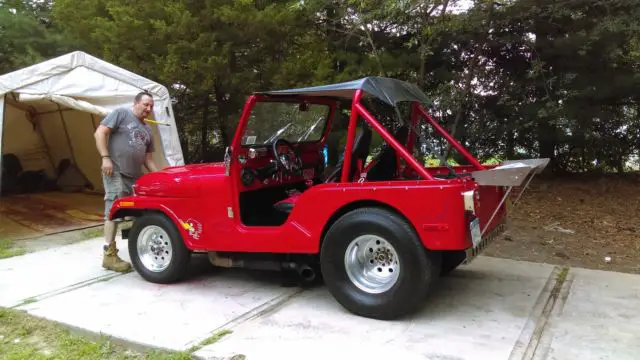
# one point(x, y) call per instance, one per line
point(136, 206)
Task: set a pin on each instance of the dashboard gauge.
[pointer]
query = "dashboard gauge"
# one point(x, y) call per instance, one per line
point(247, 176)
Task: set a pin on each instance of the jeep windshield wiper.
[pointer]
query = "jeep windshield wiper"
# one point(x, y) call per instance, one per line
point(306, 134)
point(277, 134)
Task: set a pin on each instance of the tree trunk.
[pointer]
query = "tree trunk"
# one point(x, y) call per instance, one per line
point(510, 140)
point(467, 85)
point(424, 47)
point(204, 139)
point(546, 129)
point(223, 114)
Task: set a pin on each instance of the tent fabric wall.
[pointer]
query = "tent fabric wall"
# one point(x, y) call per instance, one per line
point(69, 135)
point(1, 137)
point(24, 140)
point(43, 143)
point(66, 97)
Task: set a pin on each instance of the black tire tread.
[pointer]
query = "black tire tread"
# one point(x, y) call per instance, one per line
point(411, 295)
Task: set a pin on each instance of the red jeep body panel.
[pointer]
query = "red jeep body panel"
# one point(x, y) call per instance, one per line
point(200, 195)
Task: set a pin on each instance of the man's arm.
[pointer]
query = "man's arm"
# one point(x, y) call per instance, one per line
point(108, 125)
point(149, 163)
point(101, 135)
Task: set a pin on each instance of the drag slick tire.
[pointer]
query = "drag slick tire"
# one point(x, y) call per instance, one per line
point(451, 260)
point(156, 249)
point(375, 266)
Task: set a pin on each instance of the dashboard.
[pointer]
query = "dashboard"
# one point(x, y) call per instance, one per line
point(260, 169)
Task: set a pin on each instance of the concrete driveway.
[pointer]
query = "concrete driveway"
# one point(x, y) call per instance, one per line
point(492, 309)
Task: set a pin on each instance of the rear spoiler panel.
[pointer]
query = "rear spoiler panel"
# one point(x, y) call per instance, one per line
point(498, 182)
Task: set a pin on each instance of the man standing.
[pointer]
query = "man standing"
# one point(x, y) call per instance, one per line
point(126, 144)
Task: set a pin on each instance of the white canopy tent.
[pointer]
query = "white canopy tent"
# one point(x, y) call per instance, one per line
point(49, 111)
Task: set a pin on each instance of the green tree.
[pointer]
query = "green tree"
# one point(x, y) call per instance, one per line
point(27, 35)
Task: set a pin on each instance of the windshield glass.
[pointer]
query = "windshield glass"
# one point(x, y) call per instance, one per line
point(289, 121)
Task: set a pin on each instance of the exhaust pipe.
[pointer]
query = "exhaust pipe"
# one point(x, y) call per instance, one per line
point(228, 262)
point(306, 273)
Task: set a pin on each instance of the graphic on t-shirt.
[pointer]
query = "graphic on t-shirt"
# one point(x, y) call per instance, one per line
point(139, 138)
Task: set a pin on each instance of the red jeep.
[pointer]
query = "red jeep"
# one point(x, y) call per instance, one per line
point(368, 216)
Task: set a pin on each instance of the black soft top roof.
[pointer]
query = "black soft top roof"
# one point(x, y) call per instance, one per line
point(388, 90)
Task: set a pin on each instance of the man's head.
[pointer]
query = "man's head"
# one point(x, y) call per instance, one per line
point(143, 105)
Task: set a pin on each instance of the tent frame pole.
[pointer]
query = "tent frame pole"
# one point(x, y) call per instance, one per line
point(93, 122)
point(40, 131)
point(66, 133)
point(32, 116)
point(4, 112)
point(53, 111)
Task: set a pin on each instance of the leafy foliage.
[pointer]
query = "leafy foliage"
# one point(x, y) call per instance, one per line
point(26, 34)
point(510, 78)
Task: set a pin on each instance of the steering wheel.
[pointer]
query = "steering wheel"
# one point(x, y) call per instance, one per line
point(289, 160)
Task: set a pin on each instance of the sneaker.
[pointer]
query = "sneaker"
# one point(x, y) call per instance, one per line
point(111, 260)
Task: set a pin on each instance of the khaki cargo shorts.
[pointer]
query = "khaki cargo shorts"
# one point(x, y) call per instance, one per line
point(115, 186)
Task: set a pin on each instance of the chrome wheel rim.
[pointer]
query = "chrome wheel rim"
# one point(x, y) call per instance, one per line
point(154, 248)
point(372, 264)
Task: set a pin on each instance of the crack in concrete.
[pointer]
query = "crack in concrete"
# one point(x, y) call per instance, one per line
point(550, 301)
point(66, 289)
point(254, 313)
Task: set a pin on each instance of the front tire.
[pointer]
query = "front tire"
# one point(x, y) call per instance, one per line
point(156, 249)
point(375, 265)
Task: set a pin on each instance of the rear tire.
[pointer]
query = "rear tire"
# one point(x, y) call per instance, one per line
point(451, 260)
point(375, 265)
point(156, 249)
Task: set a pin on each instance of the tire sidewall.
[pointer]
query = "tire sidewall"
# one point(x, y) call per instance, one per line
point(178, 263)
point(414, 277)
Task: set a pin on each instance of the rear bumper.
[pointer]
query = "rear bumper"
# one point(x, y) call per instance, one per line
point(473, 252)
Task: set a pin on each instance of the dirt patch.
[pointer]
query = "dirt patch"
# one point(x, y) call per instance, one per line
point(33, 215)
point(578, 221)
point(10, 247)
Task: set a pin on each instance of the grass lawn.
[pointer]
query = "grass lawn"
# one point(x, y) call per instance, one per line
point(7, 249)
point(23, 336)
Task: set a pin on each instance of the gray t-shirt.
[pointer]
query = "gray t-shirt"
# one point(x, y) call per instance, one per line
point(129, 142)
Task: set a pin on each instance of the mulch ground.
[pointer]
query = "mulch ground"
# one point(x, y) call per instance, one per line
point(581, 220)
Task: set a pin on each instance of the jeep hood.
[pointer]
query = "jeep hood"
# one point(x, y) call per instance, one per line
point(179, 181)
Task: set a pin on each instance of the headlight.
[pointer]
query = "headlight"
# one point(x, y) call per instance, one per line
point(469, 203)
